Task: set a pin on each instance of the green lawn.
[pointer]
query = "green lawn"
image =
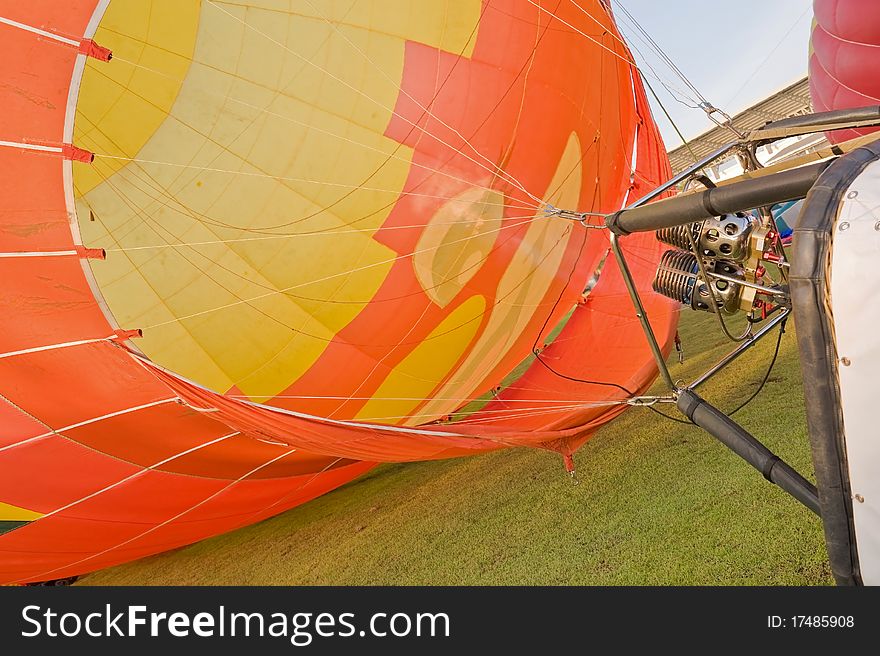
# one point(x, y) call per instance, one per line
point(658, 503)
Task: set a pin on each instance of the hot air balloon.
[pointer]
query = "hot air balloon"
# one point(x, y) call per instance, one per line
point(844, 67)
point(249, 252)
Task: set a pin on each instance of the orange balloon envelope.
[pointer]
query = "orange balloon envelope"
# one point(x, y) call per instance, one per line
point(249, 252)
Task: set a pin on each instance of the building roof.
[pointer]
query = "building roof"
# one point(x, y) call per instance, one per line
point(790, 101)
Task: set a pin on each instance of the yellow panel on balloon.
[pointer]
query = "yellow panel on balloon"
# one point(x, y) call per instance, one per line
point(416, 376)
point(123, 102)
point(10, 513)
point(456, 240)
point(241, 240)
point(524, 285)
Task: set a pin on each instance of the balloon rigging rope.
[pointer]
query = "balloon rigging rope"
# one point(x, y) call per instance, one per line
point(537, 413)
point(398, 344)
point(286, 291)
point(530, 216)
point(549, 406)
point(673, 90)
point(331, 276)
point(330, 133)
point(498, 302)
point(281, 178)
point(503, 413)
point(310, 397)
point(176, 206)
point(298, 235)
point(494, 169)
point(659, 50)
point(213, 262)
point(627, 59)
point(247, 173)
point(677, 94)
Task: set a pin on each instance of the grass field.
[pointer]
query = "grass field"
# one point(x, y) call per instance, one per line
point(658, 503)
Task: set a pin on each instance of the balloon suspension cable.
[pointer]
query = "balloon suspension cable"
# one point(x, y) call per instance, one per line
point(725, 121)
point(648, 401)
point(642, 315)
point(572, 215)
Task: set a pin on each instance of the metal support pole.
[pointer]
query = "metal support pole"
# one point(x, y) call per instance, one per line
point(739, 196)
point(746, 283)
point(746, 344)
point(640, 313)
point(747, 447)
point(681, 177)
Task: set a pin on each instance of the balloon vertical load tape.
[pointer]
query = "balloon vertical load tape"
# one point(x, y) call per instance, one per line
point(91, 49)
point(76, 154)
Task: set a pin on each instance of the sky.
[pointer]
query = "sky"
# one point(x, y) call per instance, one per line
point(734, 52)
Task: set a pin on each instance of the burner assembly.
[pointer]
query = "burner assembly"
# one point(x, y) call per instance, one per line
point(718, 263)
